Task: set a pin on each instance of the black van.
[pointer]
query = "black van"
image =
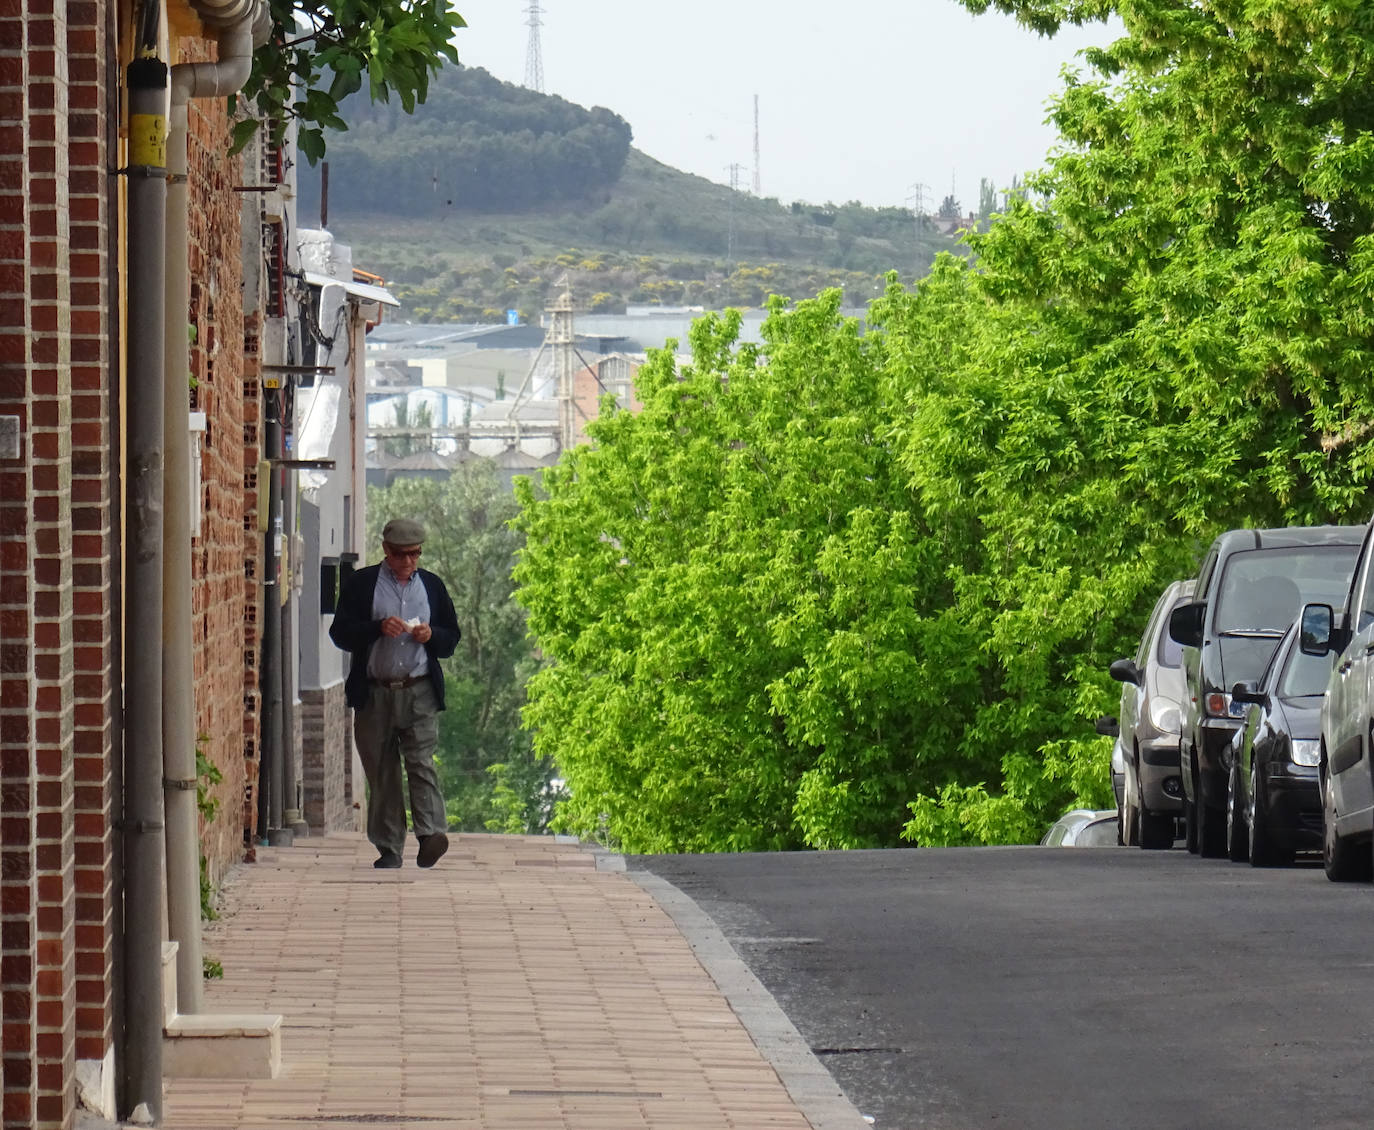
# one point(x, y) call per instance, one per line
point(1252, 585)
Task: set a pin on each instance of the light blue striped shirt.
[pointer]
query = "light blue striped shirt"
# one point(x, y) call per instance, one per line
point(402, 657)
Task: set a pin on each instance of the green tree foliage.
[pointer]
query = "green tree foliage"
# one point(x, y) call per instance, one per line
point(764, 637)
point(988, 202)
point(844, 588)
point(1179, 337)
point(490, 774)
point(727, 584)
point(478, 144)
point(318, 54)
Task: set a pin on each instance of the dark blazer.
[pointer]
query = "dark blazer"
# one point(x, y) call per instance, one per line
point(355, 631)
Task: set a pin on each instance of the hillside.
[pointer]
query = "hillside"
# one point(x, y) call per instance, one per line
point(624, 227)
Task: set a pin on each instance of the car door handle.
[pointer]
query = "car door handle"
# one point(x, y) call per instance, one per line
point(1344, 667)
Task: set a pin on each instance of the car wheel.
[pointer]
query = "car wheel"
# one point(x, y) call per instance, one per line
point(1342, 865)
point(1129, 817)
point(1156, 831)
point(1190, 817)
point(1211, 828)
point(1237, 836)
point(1265, 849)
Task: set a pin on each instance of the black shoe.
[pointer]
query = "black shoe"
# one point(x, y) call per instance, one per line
point(431, 848)
point(387, 859)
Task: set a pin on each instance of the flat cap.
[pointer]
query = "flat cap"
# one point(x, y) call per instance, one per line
point(403, 531)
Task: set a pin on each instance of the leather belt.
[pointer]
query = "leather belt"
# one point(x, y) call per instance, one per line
point(398, 684)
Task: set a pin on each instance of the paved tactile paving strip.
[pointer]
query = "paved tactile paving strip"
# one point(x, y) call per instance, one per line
point(512, 987)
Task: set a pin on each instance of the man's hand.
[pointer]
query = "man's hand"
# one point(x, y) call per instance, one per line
point(421, 633)
point(394, 626)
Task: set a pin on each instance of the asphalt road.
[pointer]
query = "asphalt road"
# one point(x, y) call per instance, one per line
point(1030, 988)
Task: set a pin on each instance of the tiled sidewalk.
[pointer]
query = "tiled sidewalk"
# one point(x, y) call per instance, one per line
point(512, 987)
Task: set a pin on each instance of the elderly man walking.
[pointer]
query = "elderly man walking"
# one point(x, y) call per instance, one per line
point(398, 622)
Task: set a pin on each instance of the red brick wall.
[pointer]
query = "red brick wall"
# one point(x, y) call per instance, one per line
point(326, 746)
point(587, 394)
point(52, 540)
point(56, 698)
point(58, 574)
point(59, 583)
point(37, 684)
point(94, 478)
point(17, 685)
point(219, 595)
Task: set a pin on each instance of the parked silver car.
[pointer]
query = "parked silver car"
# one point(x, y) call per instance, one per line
point(1082, 827)
point(1343, 636)
point(1150, 797)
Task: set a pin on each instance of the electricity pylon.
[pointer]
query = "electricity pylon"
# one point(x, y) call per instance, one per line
point(534, 58)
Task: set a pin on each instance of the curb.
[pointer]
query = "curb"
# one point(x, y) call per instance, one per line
point(809, 1084)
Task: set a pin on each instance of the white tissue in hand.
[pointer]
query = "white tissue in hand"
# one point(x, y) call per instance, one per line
point(411, 625)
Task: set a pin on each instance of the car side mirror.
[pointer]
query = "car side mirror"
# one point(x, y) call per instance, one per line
point(1108, 726)
point(1317, 629)
point(1249, 692)
point(1125, 671)
point(1185, 623)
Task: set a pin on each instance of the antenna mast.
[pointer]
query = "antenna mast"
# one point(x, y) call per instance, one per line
point(918, 208)
point(561, 340)
point(757, 182)
point(534, 58)
point(730, 216)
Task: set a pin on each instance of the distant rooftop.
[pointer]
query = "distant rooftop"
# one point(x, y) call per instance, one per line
point(401, 336)
point(532, 412)
point(646, 328)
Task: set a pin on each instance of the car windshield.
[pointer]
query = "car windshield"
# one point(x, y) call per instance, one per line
point(1304, 674)
point(1263, 589)
point(1100, 833)
point(1170, 653)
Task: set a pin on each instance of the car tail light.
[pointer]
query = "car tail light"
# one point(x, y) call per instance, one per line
point(1219, 705)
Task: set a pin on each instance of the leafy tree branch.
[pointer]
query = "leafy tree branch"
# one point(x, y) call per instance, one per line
point(322, 53)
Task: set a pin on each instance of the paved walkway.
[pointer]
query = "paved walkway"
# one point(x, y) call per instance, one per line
point(515, 986)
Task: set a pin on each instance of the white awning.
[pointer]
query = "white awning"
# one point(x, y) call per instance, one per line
point(357, 289)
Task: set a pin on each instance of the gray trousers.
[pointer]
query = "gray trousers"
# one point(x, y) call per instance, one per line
point(400, 726)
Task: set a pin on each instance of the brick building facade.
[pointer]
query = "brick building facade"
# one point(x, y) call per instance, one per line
point(225, 559)
point(62, 408)
point(58, 717)
point(614, 375)
point(65, 527)
point(333, 798)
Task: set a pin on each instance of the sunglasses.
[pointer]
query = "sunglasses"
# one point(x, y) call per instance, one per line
point(392, 551)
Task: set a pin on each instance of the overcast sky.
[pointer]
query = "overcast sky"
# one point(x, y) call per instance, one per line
point(858, 101)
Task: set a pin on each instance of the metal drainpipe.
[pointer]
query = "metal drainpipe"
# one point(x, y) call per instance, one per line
point(142, 823)
point(188, 80)
point(114, 469)
point(270, 775)
point(290, 651)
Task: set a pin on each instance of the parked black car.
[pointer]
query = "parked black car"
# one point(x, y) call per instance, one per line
point(1273, 803)
point(1346, 640)
point(1250, 588)
point(1150, 795)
